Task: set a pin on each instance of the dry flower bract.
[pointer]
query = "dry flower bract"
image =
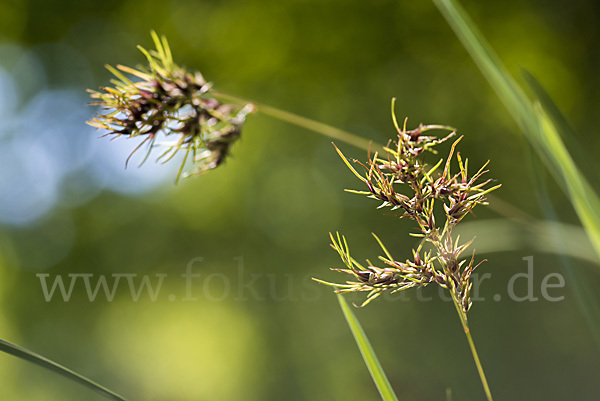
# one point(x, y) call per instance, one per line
point(172, 108)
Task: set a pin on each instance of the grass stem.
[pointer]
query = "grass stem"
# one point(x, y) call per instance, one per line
point(463, 320)
point(312, 125)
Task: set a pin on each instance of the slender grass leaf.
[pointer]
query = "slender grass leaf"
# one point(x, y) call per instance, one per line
point(488, 62)
point(368, 354)
point(574, 142)
point(535, 123)
point(582, 196)
point(584, 293)
point(25, 354)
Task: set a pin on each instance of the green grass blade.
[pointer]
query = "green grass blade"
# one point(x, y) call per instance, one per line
point(583, 291)
point(537, 126)
point(576, 143)
point(367, 352)
point(582, 196)
point(548, 104)
point(39, 360)
point(488, 62)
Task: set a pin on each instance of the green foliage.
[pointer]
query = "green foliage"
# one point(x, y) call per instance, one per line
point(538, 127)
point(540, 122)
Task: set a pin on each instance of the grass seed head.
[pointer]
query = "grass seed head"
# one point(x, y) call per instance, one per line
point(172, 109)
point(401, 180)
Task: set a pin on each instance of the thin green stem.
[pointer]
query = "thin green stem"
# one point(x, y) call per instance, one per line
point(312, 125)
point(463, 320)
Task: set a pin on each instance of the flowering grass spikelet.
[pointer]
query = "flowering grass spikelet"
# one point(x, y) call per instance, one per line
point(170, 107)
point(402, 181)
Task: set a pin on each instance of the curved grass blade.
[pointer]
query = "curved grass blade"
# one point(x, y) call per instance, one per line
point(582, 196)
point(507, 89)
point(25, 354)
point(584, 293)
point(572, 139)
point(534, 121)
point(575, 142)
point(381, 381)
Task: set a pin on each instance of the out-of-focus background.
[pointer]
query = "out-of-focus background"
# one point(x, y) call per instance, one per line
point(250, 324)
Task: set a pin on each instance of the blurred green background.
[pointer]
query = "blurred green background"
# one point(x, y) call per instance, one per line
point(253, 326)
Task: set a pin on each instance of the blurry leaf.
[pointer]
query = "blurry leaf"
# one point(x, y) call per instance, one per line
point(582, 196)
point(490, 65)
point(39, 360)
point(534, 121)
point(540, 129)
point(585, 296)
point(587, 164)
point(548, 104)
point(367, 352)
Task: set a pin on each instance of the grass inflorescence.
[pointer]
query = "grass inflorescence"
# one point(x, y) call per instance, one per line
point(164, 100)
point(402, 181)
